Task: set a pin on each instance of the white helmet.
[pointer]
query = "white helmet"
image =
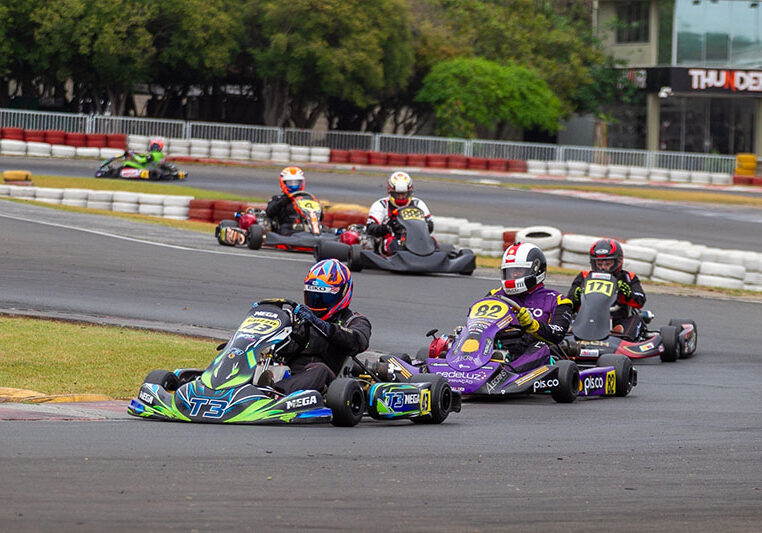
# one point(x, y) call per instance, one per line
point(399, 186)
point(523, 268)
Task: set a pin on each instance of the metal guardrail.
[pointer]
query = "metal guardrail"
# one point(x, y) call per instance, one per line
point(346, 140)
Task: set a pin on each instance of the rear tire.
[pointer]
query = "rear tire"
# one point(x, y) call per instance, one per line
point(254, 237)
point(568, 382)
point(624, 371)
point(165, 379)
point(224, 224)
point(331, 250)
point(671, 343)
point(468, 251)
point(678, 322)
point(441, 398)
point(346, 400)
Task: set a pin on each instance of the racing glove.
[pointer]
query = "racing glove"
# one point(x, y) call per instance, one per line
point(624, 288)
point(526, 320)
point(306, 314)
point(577, 296)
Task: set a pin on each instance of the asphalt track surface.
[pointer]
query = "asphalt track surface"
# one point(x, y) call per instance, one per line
point(681, 453)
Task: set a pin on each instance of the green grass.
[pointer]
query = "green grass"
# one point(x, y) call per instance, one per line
point(56, 357)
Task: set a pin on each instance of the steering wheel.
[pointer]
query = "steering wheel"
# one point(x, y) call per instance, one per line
point(278, 302)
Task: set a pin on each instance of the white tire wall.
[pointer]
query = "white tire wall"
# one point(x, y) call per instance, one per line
point(706, 280)
point(642, 268)
point(661, 273)
point(639, 253)
point(578, 243)
point(722, 270)
point(151, 209)
point(125, 207)
point(676, 262)
point(545, 237)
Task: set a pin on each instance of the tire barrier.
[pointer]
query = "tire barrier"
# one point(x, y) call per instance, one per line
point(160, 205)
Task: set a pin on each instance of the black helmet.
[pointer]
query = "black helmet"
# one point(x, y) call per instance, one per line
point(606, 256)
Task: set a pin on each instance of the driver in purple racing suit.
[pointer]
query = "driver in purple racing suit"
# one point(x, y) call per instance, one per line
point(544, 315)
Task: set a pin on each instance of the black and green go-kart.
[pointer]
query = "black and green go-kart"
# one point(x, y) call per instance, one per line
point(227, 390)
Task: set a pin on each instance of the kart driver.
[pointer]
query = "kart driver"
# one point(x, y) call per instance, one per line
point(382, 217)
point(606, 255)
point(331, 333)
point(280, 209)
point(155, 153)
point(544, 315)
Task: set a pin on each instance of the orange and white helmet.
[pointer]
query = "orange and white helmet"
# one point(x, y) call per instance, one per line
point(155, 145)
point(400, 188)
point(291, 180)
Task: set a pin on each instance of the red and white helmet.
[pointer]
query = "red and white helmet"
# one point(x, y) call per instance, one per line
point(400, 188)
point(155, 145)
point(523, 268)
point(291, 180)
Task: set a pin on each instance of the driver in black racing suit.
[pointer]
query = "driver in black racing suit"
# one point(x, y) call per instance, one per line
point(331, 332)
point(280, 209)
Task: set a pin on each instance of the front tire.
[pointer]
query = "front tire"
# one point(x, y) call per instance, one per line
point(671, 343)
point(255, 237)
point(623, 369)
point(678, 323)
point(165, 379)
point(354, 259)
point(441, 398)
point(568, 382)
point(346, 400)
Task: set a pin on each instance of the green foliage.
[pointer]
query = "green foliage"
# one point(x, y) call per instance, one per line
point(609, 85)
point(470, 92)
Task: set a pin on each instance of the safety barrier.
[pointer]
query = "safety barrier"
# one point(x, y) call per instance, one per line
point(377, 142)
point(159, 205)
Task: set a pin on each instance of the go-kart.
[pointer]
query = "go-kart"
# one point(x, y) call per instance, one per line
point(591, 335)
point(232, 389)
point(124, 166)
point(253, 229)
point(416, 250)
point(475, 367)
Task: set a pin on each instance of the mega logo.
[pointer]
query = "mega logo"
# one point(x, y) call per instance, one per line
point(592, 383)
point(541, 384)
point(399, 400)
point(267, 314)
point(301, 402)
point(147, 398)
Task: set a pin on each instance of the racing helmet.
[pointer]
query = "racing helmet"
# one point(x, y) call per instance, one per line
point(291, 180)
point(606, 256)
point(155, 145)
point(328, 288)
point(523, 268)
point(399, 186)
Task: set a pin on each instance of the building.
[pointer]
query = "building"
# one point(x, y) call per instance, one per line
point(699, 65)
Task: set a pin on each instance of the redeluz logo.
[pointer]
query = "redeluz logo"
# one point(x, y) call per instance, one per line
point(733, 80)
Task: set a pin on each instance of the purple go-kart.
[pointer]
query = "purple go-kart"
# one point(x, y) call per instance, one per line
point(474, 367)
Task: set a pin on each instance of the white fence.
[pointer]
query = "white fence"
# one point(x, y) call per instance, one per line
point(382, 142)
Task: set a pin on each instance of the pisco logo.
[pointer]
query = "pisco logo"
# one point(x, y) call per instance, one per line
point(541, 384)
point(592, 382)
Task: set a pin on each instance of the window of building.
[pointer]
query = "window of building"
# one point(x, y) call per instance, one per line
point(632, 22)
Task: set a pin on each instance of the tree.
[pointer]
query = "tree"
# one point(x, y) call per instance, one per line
point(466, 93)
point(102, 45)
point(311, 51)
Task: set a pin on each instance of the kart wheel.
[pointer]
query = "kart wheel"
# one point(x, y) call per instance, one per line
point(346, 400)
point(331, 250)
point(354, 259)
point(441, 398)
point(678, 322)
point(568, 382)
point(254, 237)
point(625, 375)
point(472, 266)
point(165, 379)
point(671, 342)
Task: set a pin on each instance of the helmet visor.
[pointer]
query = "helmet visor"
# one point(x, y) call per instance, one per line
point(321, 298)
point(400, 198)
point(293, 184)
point(517, 272)
point(604, 264)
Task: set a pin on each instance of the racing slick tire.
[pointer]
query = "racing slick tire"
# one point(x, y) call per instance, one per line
point(331, 250)
point(254, 237)
point(354, 258)
point(165, 379)
point(346, 400)
point(441, 398)
point(671, 342)
point(568, 382)
point(466, 251)
point(678, 322)
point(623, 369)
